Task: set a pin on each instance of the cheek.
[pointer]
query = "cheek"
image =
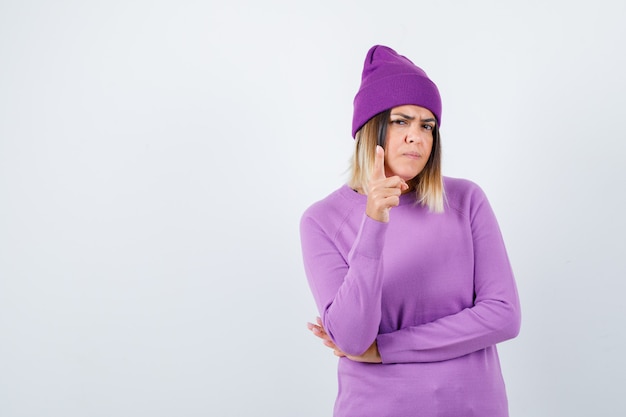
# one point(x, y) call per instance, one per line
point(429, 144)
point(391, 142)
point(430, 152)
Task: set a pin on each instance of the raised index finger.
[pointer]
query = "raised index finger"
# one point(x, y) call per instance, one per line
point(379, 164)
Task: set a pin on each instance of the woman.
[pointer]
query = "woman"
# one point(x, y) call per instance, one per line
point(408, 269)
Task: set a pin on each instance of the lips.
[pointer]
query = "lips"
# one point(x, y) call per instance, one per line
point(412, 155)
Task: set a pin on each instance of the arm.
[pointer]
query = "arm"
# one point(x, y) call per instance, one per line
point(494, 317)
point(371, 355)
point(347, 291)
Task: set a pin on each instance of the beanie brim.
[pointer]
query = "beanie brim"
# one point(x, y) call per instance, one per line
point(393, 91)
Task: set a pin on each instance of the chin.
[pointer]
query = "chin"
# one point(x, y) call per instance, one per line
point(406, 172)
point(409, 176)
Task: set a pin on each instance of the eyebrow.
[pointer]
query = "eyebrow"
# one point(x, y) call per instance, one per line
point(413, 118)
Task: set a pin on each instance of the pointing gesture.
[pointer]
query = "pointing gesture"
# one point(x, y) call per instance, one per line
point(384, 193)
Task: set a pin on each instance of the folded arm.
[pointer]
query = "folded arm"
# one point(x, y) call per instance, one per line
point(494, 317)
point(348, 291)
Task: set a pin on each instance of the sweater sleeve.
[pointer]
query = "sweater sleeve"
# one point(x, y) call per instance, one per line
point(493, 318)
point(347, 291)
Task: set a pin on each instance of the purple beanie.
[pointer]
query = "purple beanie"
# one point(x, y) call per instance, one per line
point(390, 80)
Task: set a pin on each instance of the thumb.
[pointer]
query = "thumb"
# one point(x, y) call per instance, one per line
point(379, 164)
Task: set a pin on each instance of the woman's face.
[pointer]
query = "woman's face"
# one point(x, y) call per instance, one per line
point(409, 141)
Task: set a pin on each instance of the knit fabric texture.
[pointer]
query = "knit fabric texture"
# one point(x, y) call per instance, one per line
point(434, 290)
point(390, 80)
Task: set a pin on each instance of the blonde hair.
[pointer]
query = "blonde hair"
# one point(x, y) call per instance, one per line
point(428, 184)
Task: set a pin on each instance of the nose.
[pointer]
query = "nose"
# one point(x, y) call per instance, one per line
point(413, 136)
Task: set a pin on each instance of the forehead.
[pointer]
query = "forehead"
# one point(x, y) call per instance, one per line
point(414, 111)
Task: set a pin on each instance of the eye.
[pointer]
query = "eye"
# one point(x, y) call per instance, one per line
point(428, 127)
point(399, 122)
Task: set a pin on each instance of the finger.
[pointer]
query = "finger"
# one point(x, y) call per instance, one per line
point(320, 325)
point(317, 331)
point(314, 328)
point(329, 343)
point(339, 353)
point(379, 164)
point(394, 182)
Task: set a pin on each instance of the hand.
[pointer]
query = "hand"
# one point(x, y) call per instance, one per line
point(371, 355)
point(384, 193)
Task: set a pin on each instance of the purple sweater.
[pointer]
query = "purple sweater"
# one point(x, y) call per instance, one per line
point(436, 291)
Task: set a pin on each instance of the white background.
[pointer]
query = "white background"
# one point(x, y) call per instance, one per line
point(156, 156)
